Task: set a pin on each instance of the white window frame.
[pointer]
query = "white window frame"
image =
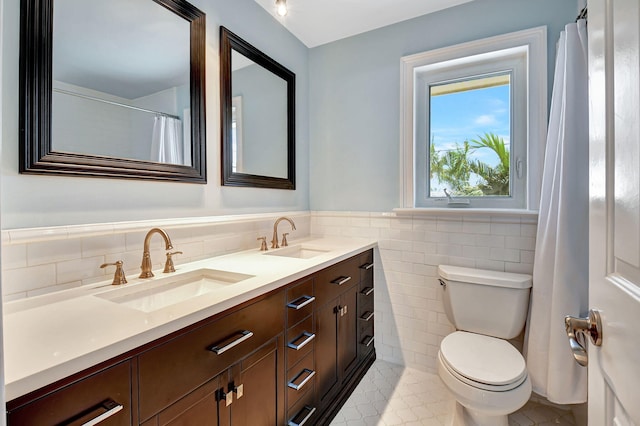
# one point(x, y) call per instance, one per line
point(469, 59)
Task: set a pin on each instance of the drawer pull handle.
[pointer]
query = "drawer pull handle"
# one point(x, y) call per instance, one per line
point(301, 302)
point(367, 341)
point(366, 291)
point(310, 411)
point(366, 266)
point(367, 316)
point(340, 280)
point(112, 408)
point(224, 346)
point(309, 337)
point(309, 373)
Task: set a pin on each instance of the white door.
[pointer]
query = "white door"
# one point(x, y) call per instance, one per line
point(614, 246)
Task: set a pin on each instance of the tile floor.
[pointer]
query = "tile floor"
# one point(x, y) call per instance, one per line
point(390, 394)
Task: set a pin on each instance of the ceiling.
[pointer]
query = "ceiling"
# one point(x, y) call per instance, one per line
point(316, 22)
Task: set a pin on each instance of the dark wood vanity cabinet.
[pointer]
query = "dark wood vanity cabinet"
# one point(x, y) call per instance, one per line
point(365, 306)
point(291, 357)
point(226, 353)
point(337, 327)
point(104, 395)
point(247, 393)
point(301, 347)
point(193, 358)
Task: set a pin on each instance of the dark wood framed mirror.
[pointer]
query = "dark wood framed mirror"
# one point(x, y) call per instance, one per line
point(113, 89)
point(257, 115)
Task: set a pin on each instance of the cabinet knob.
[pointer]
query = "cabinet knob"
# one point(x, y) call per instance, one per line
point(366, 291)
point(227, 397)
point(112, 408)
point(340, 280)
point(308, 337)
point(234, 340)
point(239, 390)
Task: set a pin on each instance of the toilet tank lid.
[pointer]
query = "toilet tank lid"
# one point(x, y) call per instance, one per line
point(483, 276)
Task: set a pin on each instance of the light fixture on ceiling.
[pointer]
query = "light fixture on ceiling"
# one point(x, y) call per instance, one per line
point(281, 7)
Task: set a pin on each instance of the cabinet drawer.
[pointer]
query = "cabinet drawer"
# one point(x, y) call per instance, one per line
point(334, 280)
point(300, 302)
point(106, 394)
point(300, 341)
point(365, 303)
point(190, 361)
point(304, 411)
point(366, 265)
point(300, 378)
point(365, 334)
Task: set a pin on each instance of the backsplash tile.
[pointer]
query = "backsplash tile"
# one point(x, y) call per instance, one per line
point(36, 261)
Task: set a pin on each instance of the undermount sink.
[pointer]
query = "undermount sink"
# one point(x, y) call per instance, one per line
point(298, 251)
point(160, 293)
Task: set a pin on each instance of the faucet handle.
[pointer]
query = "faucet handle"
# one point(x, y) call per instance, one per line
point(284, 239)
point(263, 244)
point(168, 266)
point(119, 276)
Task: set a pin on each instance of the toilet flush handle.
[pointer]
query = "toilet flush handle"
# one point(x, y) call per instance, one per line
point(591, 326)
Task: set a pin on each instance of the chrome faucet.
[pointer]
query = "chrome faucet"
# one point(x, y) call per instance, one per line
point(146, 255)
point(274, 240)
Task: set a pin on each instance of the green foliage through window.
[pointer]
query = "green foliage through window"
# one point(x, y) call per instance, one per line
point(467, 176)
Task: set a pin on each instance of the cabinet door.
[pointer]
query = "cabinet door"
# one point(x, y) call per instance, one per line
point(348, 333)
point(179, 366)
point(201, 407)
point(337, 344)
point(326, 350)
point(257, 382)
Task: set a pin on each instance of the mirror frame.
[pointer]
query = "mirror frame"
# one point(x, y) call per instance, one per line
point(35, 86)
point(229, 41)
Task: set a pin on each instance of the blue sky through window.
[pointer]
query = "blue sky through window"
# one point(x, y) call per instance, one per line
point(466, 115)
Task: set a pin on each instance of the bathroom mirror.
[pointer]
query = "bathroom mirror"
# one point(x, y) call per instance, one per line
point(113, 88)
point(257, 115)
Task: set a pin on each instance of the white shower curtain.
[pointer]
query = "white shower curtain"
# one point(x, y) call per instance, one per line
point(560, 270)
point(166, 142)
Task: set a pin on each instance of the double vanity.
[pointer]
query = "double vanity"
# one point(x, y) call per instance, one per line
point(276, 337)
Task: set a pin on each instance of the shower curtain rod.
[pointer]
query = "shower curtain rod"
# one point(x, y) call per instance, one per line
point(66, 92)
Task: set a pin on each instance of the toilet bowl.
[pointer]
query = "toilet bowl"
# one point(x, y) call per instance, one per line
point(486, 375)
point(484, 372)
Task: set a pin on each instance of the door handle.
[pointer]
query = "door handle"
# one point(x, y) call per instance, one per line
point(591, 326)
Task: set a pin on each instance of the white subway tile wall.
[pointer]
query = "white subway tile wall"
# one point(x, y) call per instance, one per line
point(410, 320)
point(57, 259)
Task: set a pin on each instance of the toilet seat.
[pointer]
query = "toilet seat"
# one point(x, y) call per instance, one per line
point(483, 362)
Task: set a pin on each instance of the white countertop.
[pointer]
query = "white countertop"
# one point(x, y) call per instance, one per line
point(49, 337)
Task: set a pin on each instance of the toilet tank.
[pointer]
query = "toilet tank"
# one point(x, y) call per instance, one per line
point(485, 302)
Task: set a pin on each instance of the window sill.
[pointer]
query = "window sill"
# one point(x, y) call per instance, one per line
point(530, 215)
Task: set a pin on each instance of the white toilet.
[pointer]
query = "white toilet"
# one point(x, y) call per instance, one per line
point(485, 373)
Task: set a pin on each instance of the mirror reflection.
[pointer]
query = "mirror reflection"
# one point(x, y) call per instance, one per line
point(259, 109)
point(258, 117)
point(121, 80)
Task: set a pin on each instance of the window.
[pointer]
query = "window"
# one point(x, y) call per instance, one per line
point(470, 137)
point(474, 119)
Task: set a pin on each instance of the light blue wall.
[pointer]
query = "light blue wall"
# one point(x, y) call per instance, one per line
point(31, 200)
point(355, 94)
